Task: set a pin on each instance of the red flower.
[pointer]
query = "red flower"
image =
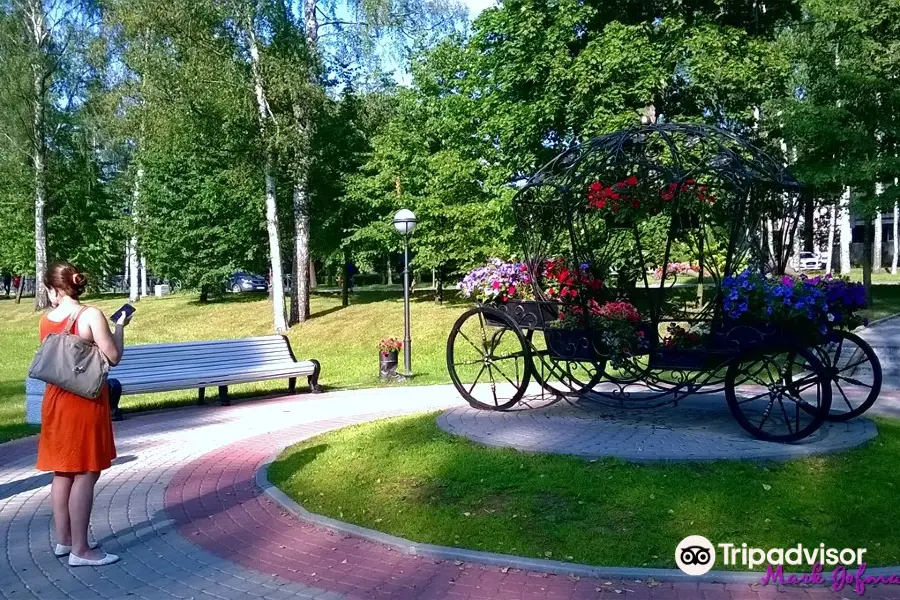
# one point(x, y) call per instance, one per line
point(596, 186)
point(632, 180)
point(614, 196)
point(600, 204)
point(690, 182)
point(640, 333)
point(621, 184)
point(635, 203)
point(573, 293)
point(496, 285)
point(512, 290)
point(615, 208)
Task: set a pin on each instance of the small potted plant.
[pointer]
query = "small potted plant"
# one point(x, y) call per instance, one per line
point(388, 349)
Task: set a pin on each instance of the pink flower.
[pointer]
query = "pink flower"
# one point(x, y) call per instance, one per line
point(496, 285)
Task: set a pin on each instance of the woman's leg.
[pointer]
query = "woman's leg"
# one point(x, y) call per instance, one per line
point(59, 497)
point(81, 501)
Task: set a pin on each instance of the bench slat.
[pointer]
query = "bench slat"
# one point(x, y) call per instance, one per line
point(131, 364)
point(212, 380)
point(189, 372)
point(257, 341)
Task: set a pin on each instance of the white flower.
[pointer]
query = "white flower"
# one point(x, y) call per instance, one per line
point(830, 317)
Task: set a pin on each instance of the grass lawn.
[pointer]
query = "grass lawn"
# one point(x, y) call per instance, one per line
point(408, 478)
point(345, 340)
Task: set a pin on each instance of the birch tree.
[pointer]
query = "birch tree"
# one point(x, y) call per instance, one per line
point(266, 122)
point(846, 232)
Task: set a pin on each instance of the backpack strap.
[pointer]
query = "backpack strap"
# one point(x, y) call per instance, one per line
point(74, 319)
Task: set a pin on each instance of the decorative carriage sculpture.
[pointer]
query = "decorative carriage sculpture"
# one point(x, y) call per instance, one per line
point(587, 321)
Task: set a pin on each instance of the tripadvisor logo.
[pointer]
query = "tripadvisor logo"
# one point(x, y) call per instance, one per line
point(695, 555)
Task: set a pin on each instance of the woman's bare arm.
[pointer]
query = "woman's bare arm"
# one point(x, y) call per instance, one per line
point(111, 343)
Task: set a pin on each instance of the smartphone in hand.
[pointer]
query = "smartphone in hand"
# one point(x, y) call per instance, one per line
point(126, 309)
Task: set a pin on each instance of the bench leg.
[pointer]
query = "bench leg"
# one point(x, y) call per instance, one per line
point(314, 378)
point(223, 395)
point(201, 397)
point(292, 385)
point(115, 394)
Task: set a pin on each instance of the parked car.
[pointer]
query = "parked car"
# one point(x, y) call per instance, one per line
point(808, 261)
point(247, 282)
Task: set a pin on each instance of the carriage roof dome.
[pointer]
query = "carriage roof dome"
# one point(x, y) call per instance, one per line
point(674, 151)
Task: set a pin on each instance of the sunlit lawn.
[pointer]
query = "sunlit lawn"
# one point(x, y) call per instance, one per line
point(408, 478)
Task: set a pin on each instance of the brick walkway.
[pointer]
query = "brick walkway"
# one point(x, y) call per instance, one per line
point(182, 509)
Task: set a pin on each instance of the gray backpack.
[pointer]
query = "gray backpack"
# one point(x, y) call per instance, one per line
point(70, 362)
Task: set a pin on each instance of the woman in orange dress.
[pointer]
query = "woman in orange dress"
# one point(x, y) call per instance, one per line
point(76, 441)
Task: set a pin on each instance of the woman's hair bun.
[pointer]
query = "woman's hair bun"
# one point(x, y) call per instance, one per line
point(65, 278)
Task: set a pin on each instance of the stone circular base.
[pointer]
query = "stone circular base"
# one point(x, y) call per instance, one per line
point(699, 428)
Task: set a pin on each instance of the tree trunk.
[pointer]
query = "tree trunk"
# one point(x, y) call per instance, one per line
point(867, 262)
point(877, 244)
point(313, 281)
point(277, 277)
point(204, 294)
point(390, 275)
point(896, 241)
point(879, 226)
point(832, 224)
point(300, 293)
point(34, 15)
point(438, 283)
point(143, 263)
point(20, 288)
point(846, 233)
point(809, 221)
point(133, 269)
point(345, 283)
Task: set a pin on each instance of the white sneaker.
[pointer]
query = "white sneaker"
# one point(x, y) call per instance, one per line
point(62, 550)
point(77, 561)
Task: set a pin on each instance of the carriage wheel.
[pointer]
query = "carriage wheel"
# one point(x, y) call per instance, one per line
point(855, 373)
point(778, 396)
point(489, 363)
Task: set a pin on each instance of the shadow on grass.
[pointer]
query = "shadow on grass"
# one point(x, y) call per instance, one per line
point(17, 430)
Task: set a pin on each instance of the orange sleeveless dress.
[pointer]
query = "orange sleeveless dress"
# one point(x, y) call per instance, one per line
point(76, 432)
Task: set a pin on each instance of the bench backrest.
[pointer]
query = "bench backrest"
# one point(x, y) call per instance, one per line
point(153, 360)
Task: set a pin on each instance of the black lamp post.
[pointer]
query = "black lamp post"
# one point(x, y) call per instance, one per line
point(405, 223)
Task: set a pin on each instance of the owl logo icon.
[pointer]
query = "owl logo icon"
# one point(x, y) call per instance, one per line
point(695, 555)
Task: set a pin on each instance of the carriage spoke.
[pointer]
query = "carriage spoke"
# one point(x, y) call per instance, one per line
point(469, 362)
point(844, 395)
point(787, 419)
point(855, 381)
point(474, 383)
point(499, 370)
point(481, 350)
point(751, 399)
point(493, 385)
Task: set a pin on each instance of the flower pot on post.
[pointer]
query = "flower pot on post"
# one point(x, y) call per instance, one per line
point(388, 351)
point(388, 365)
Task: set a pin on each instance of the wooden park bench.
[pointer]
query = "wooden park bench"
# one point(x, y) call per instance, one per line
point(198, 365)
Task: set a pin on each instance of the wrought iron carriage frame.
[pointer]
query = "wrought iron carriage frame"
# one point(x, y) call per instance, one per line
point(758, 189)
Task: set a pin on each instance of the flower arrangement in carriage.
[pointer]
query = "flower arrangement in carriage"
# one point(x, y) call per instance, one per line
point(590, 327)
point(772, 310)
point(506, 286)
point(630, 199)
